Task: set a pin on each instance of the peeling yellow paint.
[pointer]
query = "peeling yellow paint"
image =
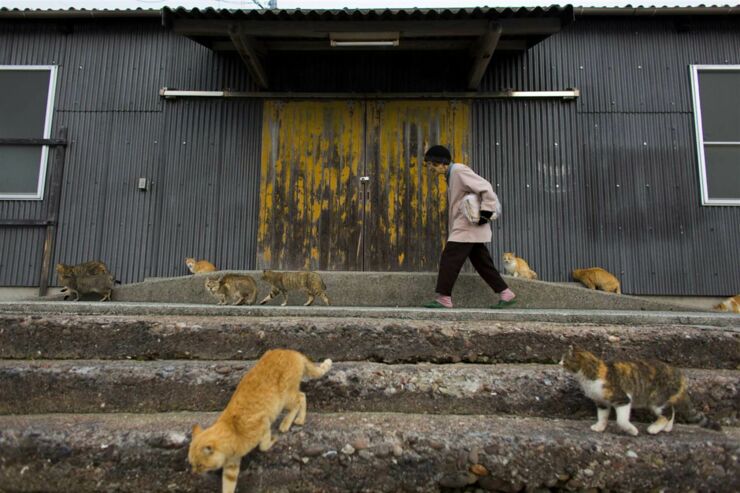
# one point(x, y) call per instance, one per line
point(312, 156)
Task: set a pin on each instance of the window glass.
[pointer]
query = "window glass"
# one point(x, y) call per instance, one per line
point(19, 169)
point(723, 171)
point(720, 105)
point(24, 102)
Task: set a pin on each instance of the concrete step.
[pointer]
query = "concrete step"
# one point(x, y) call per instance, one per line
point(616, 317)
point(388, 340)
point(38, 387)
point(401, 289)
point(366, 452)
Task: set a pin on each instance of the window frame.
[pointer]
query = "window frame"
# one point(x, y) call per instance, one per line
point(48, 122)
point(700, 143)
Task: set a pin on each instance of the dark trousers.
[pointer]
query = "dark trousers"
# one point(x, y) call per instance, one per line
point(453, 258)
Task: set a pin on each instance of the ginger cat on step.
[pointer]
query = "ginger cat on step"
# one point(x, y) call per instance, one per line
point(597, 278)
point(518, 267)
point(731, 304)
point(268, 388)
point(198, 266)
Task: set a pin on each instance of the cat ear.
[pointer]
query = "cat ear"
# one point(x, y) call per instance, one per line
point(196, 429)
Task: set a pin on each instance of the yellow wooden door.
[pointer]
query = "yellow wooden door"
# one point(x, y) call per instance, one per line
point(343, 186)
point(310, 210)
point(405, 223)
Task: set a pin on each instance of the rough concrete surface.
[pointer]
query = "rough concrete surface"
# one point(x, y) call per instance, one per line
point(365, 453)
point(356, 339)
point(37, 387)
point(616, 317)
point(401, 289)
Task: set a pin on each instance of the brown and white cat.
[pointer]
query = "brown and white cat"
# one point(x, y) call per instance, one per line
point(198, 266)
point(85, 278)
point(625, 385)
point(597, 278)
point(235, 288)
point(282, 282)
point(517, 267)
point(268, 388)
point(731, 304)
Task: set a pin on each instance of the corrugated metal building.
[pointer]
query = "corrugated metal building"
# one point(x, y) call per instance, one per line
point(269, 172)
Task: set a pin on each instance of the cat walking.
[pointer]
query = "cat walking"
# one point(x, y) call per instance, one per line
point(282, 282)
point(265, 391)
point(625, 385)
point(233, 287)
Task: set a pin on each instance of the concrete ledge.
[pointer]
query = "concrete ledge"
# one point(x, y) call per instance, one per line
point(40, 387)
point(355, 339)
point(365, 452)
point(616, 317)
point(401, 289)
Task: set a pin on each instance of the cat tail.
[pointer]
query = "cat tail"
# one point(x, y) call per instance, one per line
point(312, 370)
point(694, 416)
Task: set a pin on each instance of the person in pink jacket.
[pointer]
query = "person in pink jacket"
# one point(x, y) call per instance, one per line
point(465, 239)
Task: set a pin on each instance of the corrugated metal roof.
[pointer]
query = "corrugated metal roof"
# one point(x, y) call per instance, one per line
point(384, 13)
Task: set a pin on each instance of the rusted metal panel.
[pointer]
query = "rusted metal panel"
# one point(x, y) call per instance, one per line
point(310, 209)
point(406, 205)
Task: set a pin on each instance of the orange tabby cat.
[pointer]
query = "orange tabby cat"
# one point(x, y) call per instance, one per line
point(731, 304)
point(268, 388)
point(198, 266)
point(597, 278)
point(517, 267)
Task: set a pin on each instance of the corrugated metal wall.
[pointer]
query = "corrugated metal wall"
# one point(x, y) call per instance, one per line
point(201, 157)
point(611, 179)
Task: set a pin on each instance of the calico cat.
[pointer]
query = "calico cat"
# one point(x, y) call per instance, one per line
point(198, 266)
point(282, 282)
point(624, 385)
point(517, 267)
point(268, 388)
point(597, 278)
point(85, 278)
point(731, 304)
point(236, 288)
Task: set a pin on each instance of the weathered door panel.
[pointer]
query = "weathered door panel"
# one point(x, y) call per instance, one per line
point(310, 210)
point(405, 223)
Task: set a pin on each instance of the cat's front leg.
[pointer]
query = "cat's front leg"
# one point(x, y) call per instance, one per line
point(229, 475)
point(602, 418)
point(285, 295)
point(267, 441)
point(623, 419)
point(310, 300)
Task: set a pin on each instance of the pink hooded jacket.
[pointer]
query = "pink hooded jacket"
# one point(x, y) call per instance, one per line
point(460, 181)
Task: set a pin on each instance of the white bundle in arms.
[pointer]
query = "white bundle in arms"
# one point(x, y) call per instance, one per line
point(470, 207)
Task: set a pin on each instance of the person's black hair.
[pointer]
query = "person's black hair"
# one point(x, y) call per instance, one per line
point(438, 154)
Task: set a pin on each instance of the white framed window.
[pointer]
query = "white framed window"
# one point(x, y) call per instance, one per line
point(716, 93)
point(26, 110)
